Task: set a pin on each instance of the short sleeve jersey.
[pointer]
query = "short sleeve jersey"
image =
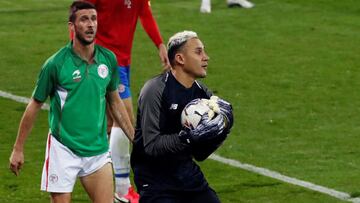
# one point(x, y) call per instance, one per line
point(77, 93)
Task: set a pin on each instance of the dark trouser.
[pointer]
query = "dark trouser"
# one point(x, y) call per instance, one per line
point(207, 196)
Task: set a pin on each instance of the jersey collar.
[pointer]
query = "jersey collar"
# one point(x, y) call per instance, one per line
point(77, 59)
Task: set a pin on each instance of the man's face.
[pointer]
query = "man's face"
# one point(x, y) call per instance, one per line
point(85, 26)
point(195, 58)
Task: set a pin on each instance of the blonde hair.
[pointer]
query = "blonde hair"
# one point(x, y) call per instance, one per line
point(177, 41)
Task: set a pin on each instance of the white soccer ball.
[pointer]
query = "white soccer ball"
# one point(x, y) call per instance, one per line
point(194, 111)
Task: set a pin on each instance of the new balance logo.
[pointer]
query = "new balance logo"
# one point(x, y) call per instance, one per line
point(174, 106)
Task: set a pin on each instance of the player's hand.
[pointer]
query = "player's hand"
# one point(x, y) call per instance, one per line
point(164, 57)
point(206, 130)
point(16, 161)
point(185, 136)
point(222, 107)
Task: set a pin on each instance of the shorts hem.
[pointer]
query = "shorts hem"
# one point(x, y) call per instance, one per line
point(96, 169)
point(52, 190)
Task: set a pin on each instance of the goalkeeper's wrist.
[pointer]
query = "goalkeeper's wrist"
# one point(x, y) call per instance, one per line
point(185, 137)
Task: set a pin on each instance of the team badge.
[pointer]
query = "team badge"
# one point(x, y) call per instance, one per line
point(53, 178)
point(103, 71)
point(127, 3)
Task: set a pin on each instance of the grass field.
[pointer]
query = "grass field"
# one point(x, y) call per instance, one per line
point(290, 68)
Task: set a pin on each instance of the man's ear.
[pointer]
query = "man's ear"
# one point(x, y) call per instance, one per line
point(179, 58)
point(71, 27)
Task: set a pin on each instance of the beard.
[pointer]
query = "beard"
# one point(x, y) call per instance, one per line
point(83, 41)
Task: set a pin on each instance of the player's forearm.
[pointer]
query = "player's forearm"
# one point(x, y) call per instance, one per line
point(164, 57)
point(203, 150)
point(167, 145)
point(26, 124)
point(121, 117)
point(150, 26)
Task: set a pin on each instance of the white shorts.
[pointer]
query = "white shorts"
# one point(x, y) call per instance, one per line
point(62, 167)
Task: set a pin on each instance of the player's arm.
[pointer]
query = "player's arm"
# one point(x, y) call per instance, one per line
point(164, 57)
point(152, 117)
point(206, 137)
point(26, 124)
point(150, 26)
point(44, 87)
point(115, 105)
point(119, 113)
point(202, 150)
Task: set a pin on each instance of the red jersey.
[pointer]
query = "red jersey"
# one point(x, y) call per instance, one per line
point(117, 21)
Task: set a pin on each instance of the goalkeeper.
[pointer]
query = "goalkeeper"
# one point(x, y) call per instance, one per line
point(163, 150)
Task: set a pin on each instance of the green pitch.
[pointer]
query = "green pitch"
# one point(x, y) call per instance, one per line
point(290, 68)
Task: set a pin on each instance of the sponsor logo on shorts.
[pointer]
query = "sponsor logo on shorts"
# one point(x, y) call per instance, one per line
point(103, 71)
point(53, 178)
point(121, 88)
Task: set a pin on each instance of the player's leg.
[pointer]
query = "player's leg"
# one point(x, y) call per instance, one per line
point(119, 143)
point(60, 197)
point(97, 178)
point(120, 146)
point(205, 6)
point(60, 171)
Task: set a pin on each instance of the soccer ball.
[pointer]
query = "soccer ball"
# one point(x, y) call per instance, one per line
point(194, 111)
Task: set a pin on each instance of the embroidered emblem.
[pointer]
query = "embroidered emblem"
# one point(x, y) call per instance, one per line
point(127, 3)
point(103, 71)
point(53, 178)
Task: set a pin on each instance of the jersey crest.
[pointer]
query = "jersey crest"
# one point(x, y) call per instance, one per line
point(103, 71)
point(127, 3)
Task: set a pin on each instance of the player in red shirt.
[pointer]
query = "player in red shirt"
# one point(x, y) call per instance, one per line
point(117, 21)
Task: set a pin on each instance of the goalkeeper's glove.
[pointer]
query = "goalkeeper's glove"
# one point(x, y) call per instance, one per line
point(224, 108)
point(206, 130)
